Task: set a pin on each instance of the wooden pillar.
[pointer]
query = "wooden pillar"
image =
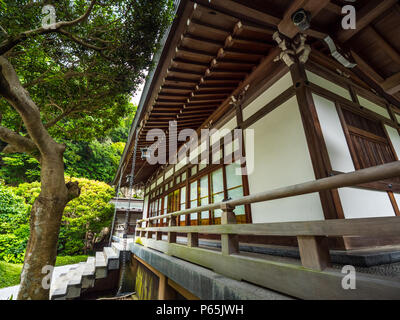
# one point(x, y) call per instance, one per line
point(193, 239)
point(229, 242)
point(314, 252)
point(165, 292)
point(171, 235)
point(158, 235)
point(330, 200)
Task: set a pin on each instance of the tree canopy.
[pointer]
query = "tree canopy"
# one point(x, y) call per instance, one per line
point(81, 77)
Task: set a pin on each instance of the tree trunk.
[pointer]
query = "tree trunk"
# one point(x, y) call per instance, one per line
point(48, 208)
point(44, 229)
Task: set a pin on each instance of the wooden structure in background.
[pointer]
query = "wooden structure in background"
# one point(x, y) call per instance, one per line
point(313, 119)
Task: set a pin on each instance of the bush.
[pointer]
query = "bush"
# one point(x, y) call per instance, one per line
point(14, 229)
point(83, 223)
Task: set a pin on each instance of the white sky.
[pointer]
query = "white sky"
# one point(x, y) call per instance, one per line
point(136, 97)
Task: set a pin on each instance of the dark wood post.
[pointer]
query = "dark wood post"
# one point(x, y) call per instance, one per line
point(192, 239)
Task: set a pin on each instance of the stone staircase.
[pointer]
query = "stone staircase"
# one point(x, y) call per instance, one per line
point(70, 285)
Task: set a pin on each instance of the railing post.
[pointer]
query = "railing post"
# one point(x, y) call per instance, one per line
point(171, 235)
point(314, 252)
point(149, 234)
point(193, 239)
point(229, 242)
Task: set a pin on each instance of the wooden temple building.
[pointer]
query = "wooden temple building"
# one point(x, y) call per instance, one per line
point(124, 206)
point(319, 110)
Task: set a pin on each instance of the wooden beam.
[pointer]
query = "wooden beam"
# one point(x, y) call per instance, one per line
point(366, 68)
point(187, 294)
point(359, 227)
point(384, 45)
point(287, 27)
point(369, 12)
point(392, 84)
point(197, 24)
point(314, 252)
point(334, 8)
point(239, 10)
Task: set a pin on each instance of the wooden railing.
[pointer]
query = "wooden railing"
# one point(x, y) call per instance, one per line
point(314, 278)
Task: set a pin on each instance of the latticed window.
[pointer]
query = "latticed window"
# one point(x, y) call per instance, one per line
point(369, 145)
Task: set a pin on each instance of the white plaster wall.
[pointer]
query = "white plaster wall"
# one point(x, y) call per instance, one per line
point(282, 159)
point(356, 203)
point(394, 138)
point(361, 203)
point(334, 137)
point(270, 94)
point(328, 85)
point(373, 107)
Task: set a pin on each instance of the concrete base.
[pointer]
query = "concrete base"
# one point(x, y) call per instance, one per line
point(203, 283)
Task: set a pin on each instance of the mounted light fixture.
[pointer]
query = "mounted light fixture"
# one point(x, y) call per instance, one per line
point(301, 19)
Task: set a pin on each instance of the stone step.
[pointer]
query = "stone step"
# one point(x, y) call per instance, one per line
point(89, 273)
point(112, 258)
point(75, 281)
point(59, 288)
point(101, 265)
point(69, 285)
point(118, 247)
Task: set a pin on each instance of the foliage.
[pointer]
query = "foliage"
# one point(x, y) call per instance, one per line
point(95, 160)
point(85, 217)
point(19, 168)
point(13, 211)
point(82, 77)
point(83, 222)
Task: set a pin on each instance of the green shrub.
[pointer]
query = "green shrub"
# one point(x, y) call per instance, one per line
point(83, 221)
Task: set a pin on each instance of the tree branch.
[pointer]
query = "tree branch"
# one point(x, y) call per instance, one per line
point(9, 43)
point(12, 90)
point(18, 143)
point(80, 41)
